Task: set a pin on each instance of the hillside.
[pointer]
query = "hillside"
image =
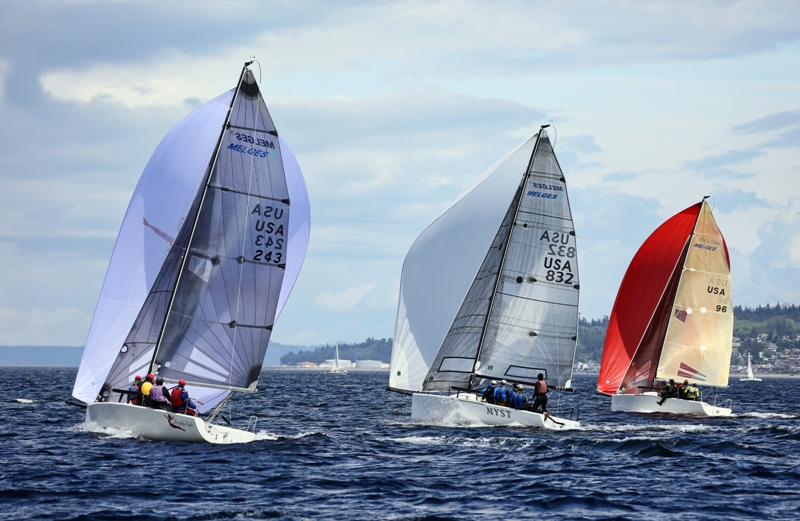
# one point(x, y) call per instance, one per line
point(370, 349)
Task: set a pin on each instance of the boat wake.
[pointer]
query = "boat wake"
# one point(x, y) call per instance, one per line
point(109, 432)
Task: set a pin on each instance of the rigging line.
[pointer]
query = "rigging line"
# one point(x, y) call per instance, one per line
point(518, 197)
point(211, 166)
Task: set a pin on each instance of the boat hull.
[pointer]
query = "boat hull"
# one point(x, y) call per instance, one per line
point(648, 403)
point(438, 408)
point(749, 379)
point(156, 424)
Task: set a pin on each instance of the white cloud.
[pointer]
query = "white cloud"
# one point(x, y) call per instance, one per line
point(344, 300)
point(63, 326)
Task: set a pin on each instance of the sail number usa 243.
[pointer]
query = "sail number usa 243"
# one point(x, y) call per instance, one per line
point(560, 256)
point(269, 232)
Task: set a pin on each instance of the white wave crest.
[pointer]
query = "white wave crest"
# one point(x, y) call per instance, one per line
point(24, 400)
point(272, 436)
point(110, 432)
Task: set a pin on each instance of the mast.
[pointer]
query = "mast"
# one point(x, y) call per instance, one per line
point(196, 218)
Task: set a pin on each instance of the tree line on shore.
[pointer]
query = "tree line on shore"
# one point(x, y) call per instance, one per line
point(762, 330)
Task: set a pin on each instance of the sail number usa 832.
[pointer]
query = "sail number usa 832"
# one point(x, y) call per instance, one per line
point(559, 256)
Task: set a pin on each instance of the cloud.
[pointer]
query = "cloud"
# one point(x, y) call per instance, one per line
point(343, 300)
point(732, 157)
point(770, 272)
point(736, 200)
point(63, 326)
point(769, 123)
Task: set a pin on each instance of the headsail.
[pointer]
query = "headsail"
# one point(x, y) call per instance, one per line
point(519, 314)
point(241, 240)
point(663, 324)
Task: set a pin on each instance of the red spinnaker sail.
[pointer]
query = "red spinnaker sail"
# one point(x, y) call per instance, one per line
point(639, 294)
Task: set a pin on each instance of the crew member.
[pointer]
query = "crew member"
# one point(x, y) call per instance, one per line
point(669, 391)
point(501, 393)
point(488, 393)
point(682, 392)
point(145, 388)
point(159, 395)
point(134, 395)
point(693, 393)
point(517, 398)
point(540, 395)
point(180, 399)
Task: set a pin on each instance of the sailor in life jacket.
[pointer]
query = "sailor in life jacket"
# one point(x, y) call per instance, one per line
point(134, 395)
point(501, 393)
point(517, 398)
point(540, 394)
point(145, 388)
point(693, 393)
point(159, 395)
point(180, 399)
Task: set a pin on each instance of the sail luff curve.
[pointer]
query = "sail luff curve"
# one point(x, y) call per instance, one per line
point(442, 263)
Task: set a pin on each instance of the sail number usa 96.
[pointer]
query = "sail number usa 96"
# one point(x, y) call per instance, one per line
point(559, 258)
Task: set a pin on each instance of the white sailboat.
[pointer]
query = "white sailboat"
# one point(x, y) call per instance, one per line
point(335, 369)
point(207, 254)
point(750, 376)
point(672, 319)
point(490, 291)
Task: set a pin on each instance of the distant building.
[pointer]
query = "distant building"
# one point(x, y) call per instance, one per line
point(343, 364)
point(369, 364)
point(307, 364)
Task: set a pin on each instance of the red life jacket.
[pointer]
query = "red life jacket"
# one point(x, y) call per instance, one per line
point(176, 397)
point(542, 387)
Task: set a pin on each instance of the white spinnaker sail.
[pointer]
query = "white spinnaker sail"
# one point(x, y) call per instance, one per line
point(163, 195)
point(699, 337)
point(441, 266)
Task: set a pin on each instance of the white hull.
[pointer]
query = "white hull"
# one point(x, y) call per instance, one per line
point(336, 372)
point(162, 425)
point(648, 403)
point(437, 408)
point(749, 379)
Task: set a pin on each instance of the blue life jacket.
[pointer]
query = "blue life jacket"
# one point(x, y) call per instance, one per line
point(501, 393)
point(516, 399)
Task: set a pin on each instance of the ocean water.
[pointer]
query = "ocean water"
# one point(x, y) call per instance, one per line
point(341, 447)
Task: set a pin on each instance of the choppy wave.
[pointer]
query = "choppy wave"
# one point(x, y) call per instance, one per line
point(352, 451)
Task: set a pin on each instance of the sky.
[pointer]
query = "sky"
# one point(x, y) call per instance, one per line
point(393, 109)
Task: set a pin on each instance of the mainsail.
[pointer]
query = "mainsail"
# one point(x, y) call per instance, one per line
point(207, 255)
point(490, 289)
point(673, 317)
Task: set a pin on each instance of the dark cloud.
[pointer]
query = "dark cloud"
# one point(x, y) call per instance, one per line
point(35, 36)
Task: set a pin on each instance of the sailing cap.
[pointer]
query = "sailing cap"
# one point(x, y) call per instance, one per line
point(518, 386)
point(503, 382)
point(494, 382)
point(138, 377)
point(181, 382)
point(150, 376)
